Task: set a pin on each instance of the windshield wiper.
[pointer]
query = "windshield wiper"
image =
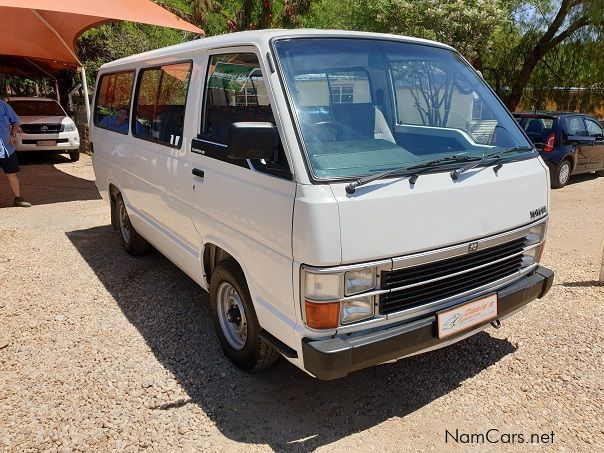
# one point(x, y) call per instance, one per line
point(495, 155)
point(444, 160)
point(350, 188)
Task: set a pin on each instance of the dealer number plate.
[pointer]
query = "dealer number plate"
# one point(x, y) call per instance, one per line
point(47, 142)
point(463, 317)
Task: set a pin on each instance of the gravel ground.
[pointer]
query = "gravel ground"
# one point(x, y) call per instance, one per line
point(101, 351)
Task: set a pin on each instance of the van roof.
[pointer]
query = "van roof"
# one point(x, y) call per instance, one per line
point(258, 37)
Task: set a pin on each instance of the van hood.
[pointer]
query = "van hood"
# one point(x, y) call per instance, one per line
point(391, 217)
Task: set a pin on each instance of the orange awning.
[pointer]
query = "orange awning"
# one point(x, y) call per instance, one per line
point(45, 31)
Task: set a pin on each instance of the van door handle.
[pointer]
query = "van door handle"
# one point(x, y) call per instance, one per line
point(198, 172)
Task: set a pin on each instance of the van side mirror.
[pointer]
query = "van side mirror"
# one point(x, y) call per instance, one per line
point(253, 140)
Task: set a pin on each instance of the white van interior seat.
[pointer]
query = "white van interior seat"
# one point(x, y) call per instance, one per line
point(345, 122)
point(364, 120)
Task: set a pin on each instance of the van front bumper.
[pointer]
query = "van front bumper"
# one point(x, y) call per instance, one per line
point(336, 357)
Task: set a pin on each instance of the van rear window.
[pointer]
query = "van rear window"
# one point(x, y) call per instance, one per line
point(112, 106)
point(161, 99)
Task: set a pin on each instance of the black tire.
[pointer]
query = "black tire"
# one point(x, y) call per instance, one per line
point(74, 155)
point(561, 175)
point(254, 353)
point(600, 173)
point(132, 242)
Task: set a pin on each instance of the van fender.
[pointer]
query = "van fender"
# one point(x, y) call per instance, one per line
point(210, 240)
point(272, 319)
point(113, 189)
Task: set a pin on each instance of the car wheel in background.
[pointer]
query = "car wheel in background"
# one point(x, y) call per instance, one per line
point(561, 174)
point(132, 242)
point(235, 320)
point(600, 173)
point(74, 155)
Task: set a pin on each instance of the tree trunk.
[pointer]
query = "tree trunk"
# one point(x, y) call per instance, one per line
point(547, 42)
point(513, 99)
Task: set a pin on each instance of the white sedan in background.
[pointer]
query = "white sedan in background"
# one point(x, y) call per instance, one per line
point(45, 127)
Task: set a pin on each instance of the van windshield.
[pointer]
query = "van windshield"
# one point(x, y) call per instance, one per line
point(366, 105)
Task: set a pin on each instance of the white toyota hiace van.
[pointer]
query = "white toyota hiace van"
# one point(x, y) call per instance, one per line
point(347, 199)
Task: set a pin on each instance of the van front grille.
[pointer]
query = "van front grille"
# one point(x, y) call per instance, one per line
point(418, 285)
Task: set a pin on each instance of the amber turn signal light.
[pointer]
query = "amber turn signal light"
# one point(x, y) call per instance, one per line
point(323, 315)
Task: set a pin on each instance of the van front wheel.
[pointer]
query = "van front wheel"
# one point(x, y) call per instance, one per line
point(235, 320)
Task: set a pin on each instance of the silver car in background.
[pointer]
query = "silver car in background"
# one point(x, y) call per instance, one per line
point(45, 127)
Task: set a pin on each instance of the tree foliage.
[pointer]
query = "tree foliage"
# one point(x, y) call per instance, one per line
point(543, 25)
point(463, 24)
point(538, 49)
point(117, 40)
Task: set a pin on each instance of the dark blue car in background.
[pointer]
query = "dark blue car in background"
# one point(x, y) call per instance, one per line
point(570, 143)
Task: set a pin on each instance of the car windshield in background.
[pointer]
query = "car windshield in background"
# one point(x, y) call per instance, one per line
point(366, 105)
point(37, 108)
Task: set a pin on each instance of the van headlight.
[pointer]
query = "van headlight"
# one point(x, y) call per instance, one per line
point(336, 298)
point(535, 243)
point(359, 281)
point(70, 127)
point(356, 309)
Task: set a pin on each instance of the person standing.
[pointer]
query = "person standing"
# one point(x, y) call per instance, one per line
point(9, 121)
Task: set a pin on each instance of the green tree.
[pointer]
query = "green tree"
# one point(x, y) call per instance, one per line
point(463, 24)
point(118, 40)
point(545, 26)
point(221, 16)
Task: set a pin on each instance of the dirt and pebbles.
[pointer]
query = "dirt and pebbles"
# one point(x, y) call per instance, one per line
point(103, 352)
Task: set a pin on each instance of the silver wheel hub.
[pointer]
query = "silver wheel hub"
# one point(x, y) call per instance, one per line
point(124, 222)
point(564, 173)
point(231, 315)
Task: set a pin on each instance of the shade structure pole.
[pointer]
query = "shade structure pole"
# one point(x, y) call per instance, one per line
point(85, 90)
point(57, 91)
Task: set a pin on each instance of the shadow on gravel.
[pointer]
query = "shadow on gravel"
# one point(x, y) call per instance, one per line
point(585, 284)
point(577, 179)
point(282, 406)
point(42, 183)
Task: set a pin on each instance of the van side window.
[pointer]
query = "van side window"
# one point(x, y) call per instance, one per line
point(236, 92)
point(112, 106)
point(161, 98)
